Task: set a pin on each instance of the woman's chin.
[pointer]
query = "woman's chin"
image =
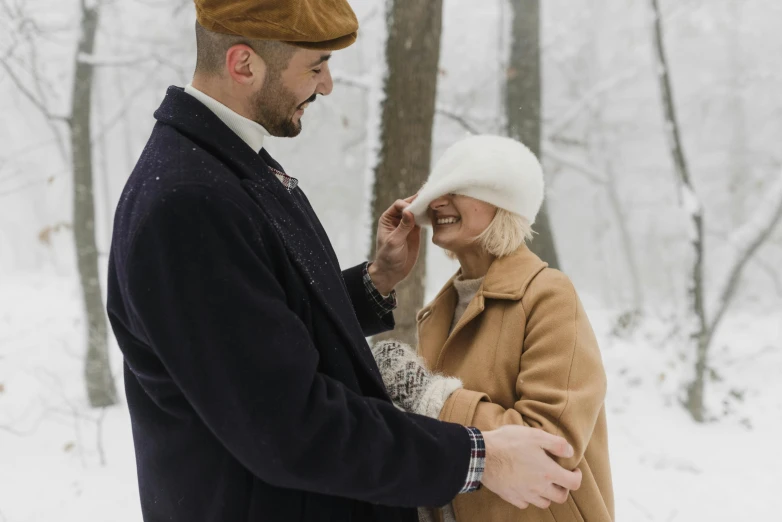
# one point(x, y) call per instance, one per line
point(441, 244)
point(447, 247)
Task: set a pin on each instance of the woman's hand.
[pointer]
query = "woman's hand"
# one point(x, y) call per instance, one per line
point(409, 382)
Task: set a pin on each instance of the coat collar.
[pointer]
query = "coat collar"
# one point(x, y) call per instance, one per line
point(196, 121)
point(306, 244)
point(252, 133)
point(507, 279)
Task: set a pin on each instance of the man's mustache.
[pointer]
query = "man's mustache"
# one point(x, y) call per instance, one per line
point(310, 100)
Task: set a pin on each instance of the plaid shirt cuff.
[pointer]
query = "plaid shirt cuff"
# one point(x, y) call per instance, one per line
point(477, 461)
point(382, 305)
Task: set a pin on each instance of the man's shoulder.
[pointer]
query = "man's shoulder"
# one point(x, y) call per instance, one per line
point(171, 157)
point(174, 174)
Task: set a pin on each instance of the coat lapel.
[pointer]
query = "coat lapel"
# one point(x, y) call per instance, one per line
point(507, 279)
point(312, 256)
point(433, 323)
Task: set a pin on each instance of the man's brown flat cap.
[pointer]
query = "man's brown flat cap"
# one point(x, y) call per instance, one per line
point(312, 24)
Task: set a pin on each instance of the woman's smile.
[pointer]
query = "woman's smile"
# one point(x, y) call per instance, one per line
point(447, 220)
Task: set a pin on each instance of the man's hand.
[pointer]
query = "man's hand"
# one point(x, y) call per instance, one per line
point(398, 244)
point(519, 470)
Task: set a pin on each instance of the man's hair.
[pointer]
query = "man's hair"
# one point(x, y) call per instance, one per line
point(211, 49)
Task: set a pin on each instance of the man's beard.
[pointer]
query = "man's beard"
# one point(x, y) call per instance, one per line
point(274, 108)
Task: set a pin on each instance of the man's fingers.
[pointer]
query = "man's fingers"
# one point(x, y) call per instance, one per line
point(520, 504)
point(398, 206)
point(408, 220)
point(540, 502)
point(406, 224)
point(556, 494)
point(555, 445)
point(410, 199)
point(570, 480)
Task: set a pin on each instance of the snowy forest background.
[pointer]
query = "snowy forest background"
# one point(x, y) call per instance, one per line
point(664, 211)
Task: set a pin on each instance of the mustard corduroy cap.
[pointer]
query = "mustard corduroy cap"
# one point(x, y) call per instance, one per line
point(312, 24)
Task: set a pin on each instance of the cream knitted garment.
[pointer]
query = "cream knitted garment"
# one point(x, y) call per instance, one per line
point(466, 290)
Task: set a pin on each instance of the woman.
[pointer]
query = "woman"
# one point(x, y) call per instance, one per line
point(506, 341)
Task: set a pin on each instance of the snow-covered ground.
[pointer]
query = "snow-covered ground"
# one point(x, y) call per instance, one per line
point(61, 461)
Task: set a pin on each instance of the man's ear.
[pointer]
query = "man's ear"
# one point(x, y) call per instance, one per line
point(244, 65)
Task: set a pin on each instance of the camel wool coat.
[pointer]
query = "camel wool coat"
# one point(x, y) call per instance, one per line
point(527, 355)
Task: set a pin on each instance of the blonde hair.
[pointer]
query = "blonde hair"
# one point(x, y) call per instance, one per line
point(504, 235)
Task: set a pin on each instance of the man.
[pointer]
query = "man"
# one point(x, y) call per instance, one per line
point(252, 392)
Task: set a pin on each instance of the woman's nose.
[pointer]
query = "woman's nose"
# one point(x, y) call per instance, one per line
point(438, 203)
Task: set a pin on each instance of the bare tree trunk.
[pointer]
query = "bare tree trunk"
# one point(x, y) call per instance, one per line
point(412, 54)
point(523, 105)
point(698, 331)
point(100, 383)
point(738, 138)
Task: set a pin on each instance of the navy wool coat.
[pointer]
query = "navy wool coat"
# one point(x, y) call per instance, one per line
point(252, 392)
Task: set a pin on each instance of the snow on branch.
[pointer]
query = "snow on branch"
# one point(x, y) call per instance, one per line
point(690, 201)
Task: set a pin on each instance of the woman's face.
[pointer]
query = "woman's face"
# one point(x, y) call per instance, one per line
point(458, 220)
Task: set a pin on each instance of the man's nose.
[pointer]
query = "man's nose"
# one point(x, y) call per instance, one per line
point(327, 84)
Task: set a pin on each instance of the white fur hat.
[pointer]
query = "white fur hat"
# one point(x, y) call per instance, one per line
point(494, 169)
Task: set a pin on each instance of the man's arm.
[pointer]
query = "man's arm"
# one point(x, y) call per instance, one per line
point(210, 307)
point(375, 312)
point(536, 479)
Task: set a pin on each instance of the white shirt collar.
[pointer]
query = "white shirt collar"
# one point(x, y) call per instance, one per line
point(250, 132)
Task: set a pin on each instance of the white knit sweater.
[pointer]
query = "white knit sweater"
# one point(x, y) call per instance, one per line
point(466, 289)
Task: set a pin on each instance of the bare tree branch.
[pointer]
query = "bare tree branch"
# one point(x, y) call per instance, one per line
point(568, 116)
point(747, 240)
point(20, 188)
point(461, 120)
point(567, 140)
point(18, 433)
point(590, 173)
point(116, 118)
point(99, 436)
point(359, 82)
point(104, 61)
point(29, 95)
point(772, 272)
point(363, 83)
